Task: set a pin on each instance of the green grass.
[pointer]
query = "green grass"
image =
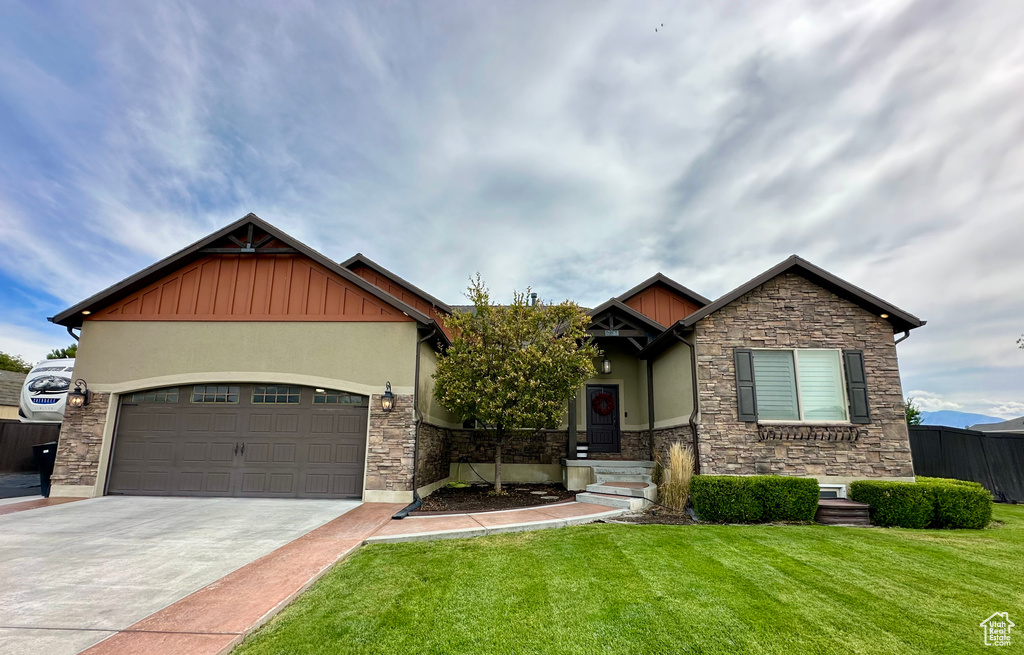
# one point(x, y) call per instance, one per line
point(666, 589)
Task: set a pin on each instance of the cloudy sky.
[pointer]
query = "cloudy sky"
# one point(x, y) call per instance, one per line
point(574, 147)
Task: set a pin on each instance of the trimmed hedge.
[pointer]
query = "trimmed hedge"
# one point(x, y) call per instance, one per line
point(787, 499)
point(927, 503)
point(754, 499)
point(959, 503)
point(894, 504)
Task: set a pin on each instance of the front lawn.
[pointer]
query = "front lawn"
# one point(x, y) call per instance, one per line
point(666, 589)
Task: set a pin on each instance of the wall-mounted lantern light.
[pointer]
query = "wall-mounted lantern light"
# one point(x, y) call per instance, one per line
point(387, 400)
point(79, 397)
point(606, 365)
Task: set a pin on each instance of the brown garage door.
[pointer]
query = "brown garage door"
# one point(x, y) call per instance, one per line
point(240, 440)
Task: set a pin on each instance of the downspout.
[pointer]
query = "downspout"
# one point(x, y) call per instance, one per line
point(906, 334)
point(73, 335)
point(416, 500)
point(696, 396)
point(650, 404)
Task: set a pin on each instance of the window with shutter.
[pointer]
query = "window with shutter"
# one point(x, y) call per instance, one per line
point(857, 386)
point(805, 385)
point(775, 375)
point(821, 385)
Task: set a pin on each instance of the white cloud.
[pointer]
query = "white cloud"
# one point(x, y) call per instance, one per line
point(927, 401)
point(32, 345)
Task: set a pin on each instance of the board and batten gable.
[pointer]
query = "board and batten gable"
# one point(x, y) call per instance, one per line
point(789, 311)
point(251, 288)
point(661, 304)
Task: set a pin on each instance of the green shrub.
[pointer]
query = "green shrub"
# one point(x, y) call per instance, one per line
point(958, 503)
point(929, 502)
point(785, 498)
point(895, 504)
point(725, 499)
point(754, 499)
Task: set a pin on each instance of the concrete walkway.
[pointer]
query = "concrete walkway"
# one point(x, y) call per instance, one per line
point(454, 526)
point(77, 573)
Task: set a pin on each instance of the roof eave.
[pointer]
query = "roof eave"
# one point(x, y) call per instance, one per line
point(360, 258)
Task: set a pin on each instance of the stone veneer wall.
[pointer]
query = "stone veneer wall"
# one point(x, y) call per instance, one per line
point(78, 447)
point(544, 447)
point(390, 445)
point(633, 446)
point(434, 456)
point(792, 312)
point(664, 437)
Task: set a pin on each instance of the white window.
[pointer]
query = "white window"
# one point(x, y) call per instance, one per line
point(799, 385)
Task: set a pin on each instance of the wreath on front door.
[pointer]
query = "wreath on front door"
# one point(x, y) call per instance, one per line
point(603, 403)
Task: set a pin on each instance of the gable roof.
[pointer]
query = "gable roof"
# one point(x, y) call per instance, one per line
point(361, 259)
point(616, 304)
point(10, 387)
point(658, 278)
point(72, 317)
point(901, 321)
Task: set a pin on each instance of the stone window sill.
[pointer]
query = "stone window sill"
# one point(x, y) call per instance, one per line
point(809, 431)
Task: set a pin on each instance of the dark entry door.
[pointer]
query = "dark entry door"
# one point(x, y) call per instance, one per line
point(603, 418)
point(272, 441)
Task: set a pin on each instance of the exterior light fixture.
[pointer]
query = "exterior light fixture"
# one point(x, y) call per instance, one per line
point(387, 400)
point(86, 313)
point(606, 365)
point(79, 397)
point(885, 316)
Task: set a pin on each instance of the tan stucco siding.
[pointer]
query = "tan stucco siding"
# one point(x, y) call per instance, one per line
point(9, 411)
point(429, 407)
point(117, 356)
point(673, 387)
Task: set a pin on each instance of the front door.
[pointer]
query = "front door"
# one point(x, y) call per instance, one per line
point(603, 418)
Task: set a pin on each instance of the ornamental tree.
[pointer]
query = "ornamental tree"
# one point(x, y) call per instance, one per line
point(513, 367)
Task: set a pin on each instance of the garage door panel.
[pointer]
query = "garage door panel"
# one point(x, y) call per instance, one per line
point(225, 423)
point(286, 423)
point(199, 422)
point(348, 454)
point(179, 447)
point(217, 483)
point(159, 451)
point(345, 484)
point(164, 422)
point(283, 453)
point(318, 483)
point(321, 423)
point(350, 424)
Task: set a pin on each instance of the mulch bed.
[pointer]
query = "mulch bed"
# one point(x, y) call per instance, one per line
point(477, 498)
point(656, 516)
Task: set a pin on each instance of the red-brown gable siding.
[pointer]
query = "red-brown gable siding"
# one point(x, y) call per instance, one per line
point(661, 304)
point(402, 293)
point(251, 288)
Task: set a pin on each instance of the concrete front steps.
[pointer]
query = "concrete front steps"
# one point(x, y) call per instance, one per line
point(624, 485)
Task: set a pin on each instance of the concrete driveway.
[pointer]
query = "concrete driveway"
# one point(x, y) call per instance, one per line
point(72, 575)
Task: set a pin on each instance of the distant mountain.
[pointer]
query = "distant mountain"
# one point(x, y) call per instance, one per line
point(956, 419)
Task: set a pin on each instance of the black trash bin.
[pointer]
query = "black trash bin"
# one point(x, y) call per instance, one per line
point(45, 455)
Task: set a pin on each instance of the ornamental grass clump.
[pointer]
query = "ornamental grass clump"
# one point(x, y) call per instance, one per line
point(676, 474)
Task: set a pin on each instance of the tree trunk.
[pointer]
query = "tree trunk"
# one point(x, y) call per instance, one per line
point(497, 462)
